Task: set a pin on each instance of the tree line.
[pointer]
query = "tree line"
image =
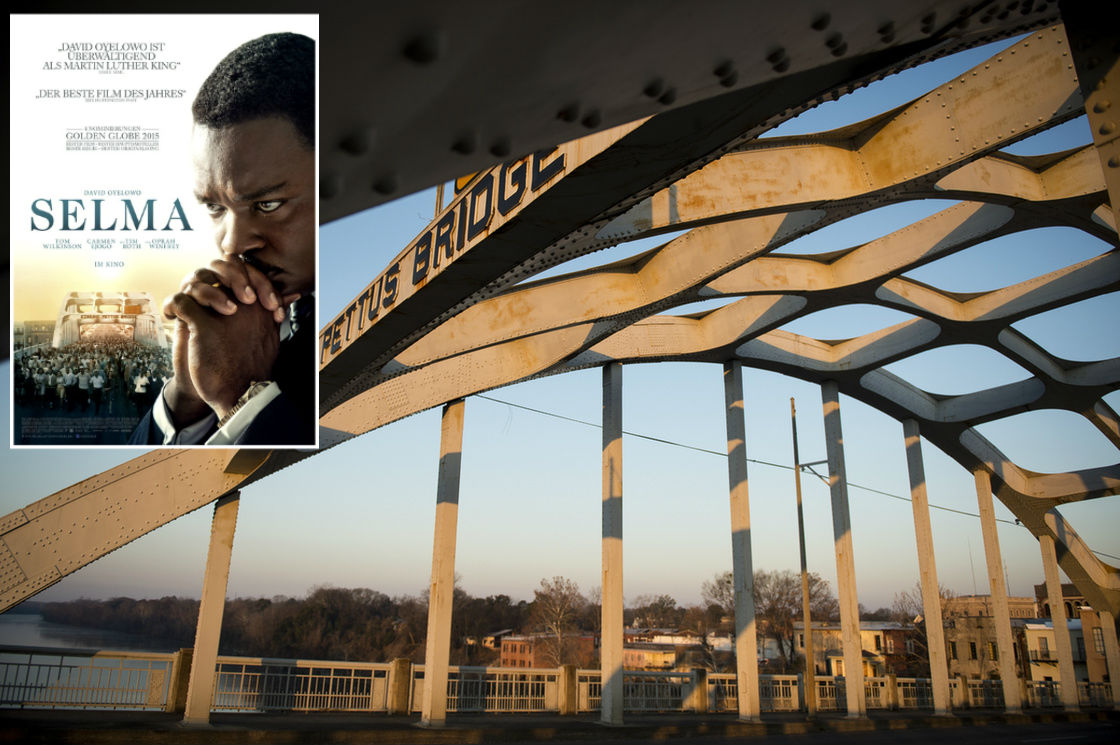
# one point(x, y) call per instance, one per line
point(360, 624)
point(329, 623)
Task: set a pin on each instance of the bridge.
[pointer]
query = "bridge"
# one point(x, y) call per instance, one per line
point(121, 315)
point(668, 140)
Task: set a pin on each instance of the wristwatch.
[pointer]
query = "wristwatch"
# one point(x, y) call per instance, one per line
point(255, 387)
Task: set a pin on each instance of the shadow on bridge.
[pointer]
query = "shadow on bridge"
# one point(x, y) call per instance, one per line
point(160, 727)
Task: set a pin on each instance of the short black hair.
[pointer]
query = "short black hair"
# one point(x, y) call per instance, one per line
point(270, 76)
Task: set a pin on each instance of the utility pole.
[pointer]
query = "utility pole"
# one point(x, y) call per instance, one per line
point(810, 659)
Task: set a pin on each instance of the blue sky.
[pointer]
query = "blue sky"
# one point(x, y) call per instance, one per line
point(361, 514)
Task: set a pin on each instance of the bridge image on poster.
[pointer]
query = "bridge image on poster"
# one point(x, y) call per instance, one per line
point(451, 315)
point(108, 315)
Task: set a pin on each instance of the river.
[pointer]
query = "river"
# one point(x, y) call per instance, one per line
point(30, 630)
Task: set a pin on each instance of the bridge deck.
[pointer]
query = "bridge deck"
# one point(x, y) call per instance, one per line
point(147, 727)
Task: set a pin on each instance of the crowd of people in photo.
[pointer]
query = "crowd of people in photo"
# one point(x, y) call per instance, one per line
point(91, 377)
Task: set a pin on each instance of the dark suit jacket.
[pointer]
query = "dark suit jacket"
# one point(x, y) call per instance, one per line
point(289, 419)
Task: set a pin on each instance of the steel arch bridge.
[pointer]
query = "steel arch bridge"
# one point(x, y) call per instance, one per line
point(648, 153)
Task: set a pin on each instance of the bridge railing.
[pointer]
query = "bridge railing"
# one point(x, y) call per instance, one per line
point(1093, 693)
point(1043, 693)
point(33, 677)
point(48, 678)
point(656, 690)
point(830, 693)
point(247, 684)
point(985, 693)
point(914, 693)
point(493, 689)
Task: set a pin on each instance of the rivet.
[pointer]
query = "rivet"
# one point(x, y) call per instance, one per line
point(654, 88)
point(1101, 106)
point(569, 113)
point(1107, 128)
point(834, 41)
point(820, 23)
point(357, 142)
point(927, 23)
point(724, 69)
point(668, 96)
point(465, 144)
point(840, 50)
point(729, 80)
point(593, 119)
point(500, 148)
point(1114, 162)
point(423, 49)
point(777, 56)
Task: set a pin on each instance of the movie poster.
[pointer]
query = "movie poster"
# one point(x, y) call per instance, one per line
point(106, 221)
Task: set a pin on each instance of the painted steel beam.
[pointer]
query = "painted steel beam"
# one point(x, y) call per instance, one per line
point(734, 191)
point(452, 89)
point(533, 212)
point(475, 247)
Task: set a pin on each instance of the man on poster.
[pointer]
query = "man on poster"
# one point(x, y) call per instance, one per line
point(243, 364)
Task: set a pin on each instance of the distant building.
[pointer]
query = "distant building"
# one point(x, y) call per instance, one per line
point(1072, 599)
point(1042, 651)
point(981, 605)
point(494, 640)
point(972, 649)
point(1090, 646)
point(649, 656)
point(34, 333)
point(1086, 634)
point(537, 650)
point(884, 645)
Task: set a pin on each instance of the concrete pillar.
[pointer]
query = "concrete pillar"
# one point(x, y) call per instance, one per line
point(569, 690)
point(927, 568)
point(845, 559)
point(746, 632)
point(200, 688)
point(1068, 686)
point(698, 700)
point(610, 649)
point(398, 685)
point(962, 698)
point(1004, 644)
point(437, 651)
point(180, 679)
point(1111, 654)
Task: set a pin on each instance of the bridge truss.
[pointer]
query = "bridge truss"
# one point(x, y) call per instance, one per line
point(453, 315)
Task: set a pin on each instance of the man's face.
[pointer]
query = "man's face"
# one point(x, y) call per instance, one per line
point(257, 181)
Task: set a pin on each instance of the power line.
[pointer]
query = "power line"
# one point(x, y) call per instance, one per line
point(721, 454)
